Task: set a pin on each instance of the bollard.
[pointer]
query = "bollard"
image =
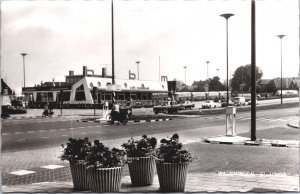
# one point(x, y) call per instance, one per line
point(230, 121)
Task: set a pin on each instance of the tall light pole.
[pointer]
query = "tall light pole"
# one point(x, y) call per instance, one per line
point(207, 62)
point(227, 16)
point(138, 69)
point(281, 36)
point(112, 51)
point(112, 43)
point(159, 68)
point(24, 54)
point(217, 72)
point(184, 74)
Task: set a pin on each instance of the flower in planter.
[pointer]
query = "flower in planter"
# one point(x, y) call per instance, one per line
point(171, 151)
point(140, 148)
point(101, 156)
point(76, 149)
point(141, 162)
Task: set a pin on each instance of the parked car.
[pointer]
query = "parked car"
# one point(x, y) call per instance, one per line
point(167, 107)
point(224, 103)
point(188, 105)
point(211, 104)
point(239, 101)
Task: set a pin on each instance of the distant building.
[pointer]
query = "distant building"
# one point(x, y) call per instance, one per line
point(6, 93)
point(78, 90)
point(287, 83)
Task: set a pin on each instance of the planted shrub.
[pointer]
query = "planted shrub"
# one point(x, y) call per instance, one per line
point(171, 151)
point(76, 149)
point(101, 156)
point(141, 162)
point(140, 148)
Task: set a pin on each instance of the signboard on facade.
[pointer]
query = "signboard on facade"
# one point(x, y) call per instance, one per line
point(110, 87)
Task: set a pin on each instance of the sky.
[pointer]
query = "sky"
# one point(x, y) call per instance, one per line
point(164, 36)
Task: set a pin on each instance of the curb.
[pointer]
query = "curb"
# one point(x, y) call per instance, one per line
point(25, 117)
point(293, 126)
point(254, 143)
point(130, 121)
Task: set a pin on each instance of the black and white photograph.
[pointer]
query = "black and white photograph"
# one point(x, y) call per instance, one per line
point(143, 96)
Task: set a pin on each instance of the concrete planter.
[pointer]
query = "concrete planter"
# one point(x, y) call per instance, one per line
point(79, 176)
point(142, 170)
point(105, 179)
point(172, 176)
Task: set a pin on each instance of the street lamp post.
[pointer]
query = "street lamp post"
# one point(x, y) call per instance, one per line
point(24, 54)
point(217, 72)
point(138, 69)
point(184, 74)
point(207, 62)
point(227, 16)
point(159, 68)
point(281, 36)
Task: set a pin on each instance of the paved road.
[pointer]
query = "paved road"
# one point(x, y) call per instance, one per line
point(22, 135)
point(25, 134)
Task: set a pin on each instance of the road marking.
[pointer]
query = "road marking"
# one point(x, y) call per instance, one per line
point(22, 172)
point(20, 139)
point(5, 134)
point(17, 133)
point(30, 131)
point(83, 133)
point(63, 129)
point(53, 166)
point(42, 130)
point(45, 137)
point(64, 135)
point(53, 129)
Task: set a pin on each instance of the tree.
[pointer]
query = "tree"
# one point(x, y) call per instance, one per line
point(270, 88)
point(243, 75)
point(216, 85)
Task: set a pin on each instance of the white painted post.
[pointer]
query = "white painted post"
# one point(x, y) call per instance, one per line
point(230, 121)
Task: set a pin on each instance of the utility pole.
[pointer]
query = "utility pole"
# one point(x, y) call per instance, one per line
point(253, 68)
point(112, 54)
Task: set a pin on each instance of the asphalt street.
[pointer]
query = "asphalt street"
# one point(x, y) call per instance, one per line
point(48, 132)
point(41, 135)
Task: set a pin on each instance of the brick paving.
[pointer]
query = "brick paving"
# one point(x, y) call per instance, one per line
point(196, 182)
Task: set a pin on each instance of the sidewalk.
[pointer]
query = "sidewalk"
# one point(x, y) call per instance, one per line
point(196, 182)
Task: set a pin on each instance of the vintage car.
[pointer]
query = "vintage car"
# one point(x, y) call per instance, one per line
point(188, 105)
point(167, 107)
point(211, 104)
